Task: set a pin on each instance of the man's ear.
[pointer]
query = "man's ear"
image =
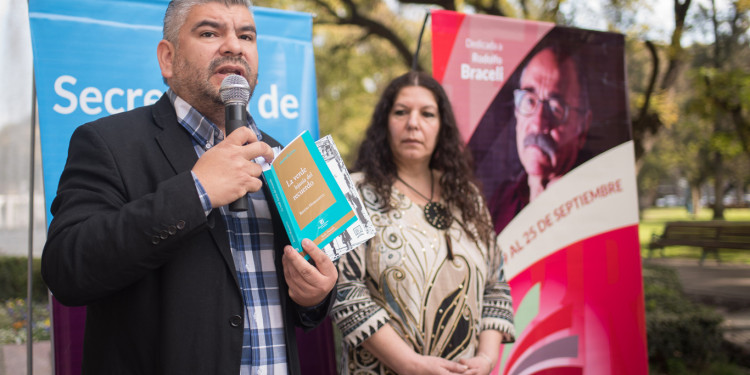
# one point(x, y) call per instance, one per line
point(165, 52)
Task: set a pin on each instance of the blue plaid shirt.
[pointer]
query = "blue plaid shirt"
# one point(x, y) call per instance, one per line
point(251, 240)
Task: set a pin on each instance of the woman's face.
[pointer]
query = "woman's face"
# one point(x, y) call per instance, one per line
point(413, 126)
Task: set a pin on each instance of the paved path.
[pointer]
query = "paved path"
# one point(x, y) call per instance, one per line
point(13, 359)
point(725, 286)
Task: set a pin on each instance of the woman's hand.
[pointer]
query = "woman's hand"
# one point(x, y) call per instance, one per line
point(387, 346)
point(479, 365)
point(428, 365)
point(485, 357)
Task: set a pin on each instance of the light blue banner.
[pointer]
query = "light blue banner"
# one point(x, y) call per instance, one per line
point(93, 58)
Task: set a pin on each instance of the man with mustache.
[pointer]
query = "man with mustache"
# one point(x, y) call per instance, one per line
point(173, 281)
point(552, 121)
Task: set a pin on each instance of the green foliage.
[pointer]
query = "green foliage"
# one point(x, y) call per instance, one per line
point(355, 59)
point(346, 104)
point(680, 151)
point(702, 119)
point(696, 125)
point(13, 307)
point(13, 279)
point(681, 334)
point(721, 97)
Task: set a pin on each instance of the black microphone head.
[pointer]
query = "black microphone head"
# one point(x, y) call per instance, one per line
point(235, 90)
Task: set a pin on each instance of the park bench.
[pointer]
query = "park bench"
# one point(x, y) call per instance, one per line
point(708, 235)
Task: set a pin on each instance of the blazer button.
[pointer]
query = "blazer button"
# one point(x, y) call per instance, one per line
point(235, 321)
point(164, 234)
point(172, 230)
point(181, 224)
point(155, 240)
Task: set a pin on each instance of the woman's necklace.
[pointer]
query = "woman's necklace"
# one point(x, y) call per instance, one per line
point(434, 212)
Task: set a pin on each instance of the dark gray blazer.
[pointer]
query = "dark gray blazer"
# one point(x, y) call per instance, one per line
point(130, 240)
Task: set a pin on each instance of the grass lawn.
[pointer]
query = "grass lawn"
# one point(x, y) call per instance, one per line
point(653, 219)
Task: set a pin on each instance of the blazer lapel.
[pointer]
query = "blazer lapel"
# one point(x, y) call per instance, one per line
point(173, 139)
point(178, 149)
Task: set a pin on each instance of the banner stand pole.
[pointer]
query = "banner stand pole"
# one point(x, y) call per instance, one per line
point(30, 260)
point(415, 62)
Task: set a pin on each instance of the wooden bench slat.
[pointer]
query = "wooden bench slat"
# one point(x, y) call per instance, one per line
point(711, 244)
point(713, 234)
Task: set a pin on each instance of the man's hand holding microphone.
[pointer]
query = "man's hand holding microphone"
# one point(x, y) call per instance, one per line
point(228, 172)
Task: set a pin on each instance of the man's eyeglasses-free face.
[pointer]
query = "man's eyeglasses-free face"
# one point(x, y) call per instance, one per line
point(528, 104)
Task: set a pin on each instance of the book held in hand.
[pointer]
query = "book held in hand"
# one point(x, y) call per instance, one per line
point(316, 198)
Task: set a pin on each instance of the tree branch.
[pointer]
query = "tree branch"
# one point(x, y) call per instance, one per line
point(445, 4)
point(652, 79)
point(676, 52)
point(370, 26)
point(493, 9)
point(647, 123)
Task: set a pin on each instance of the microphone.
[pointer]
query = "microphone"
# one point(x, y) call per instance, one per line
point(235, 94)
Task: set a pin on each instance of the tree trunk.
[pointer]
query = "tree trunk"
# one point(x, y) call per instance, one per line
point(718, 187)
point(646, 199)
point(695, 198)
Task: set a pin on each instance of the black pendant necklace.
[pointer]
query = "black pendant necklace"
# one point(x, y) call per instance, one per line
point(435, 213)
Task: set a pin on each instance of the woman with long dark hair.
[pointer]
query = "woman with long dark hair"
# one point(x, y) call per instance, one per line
point(427, 294)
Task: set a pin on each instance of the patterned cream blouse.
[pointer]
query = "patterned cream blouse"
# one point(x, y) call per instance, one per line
point(403, 277)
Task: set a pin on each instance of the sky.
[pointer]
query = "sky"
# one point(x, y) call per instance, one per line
point(15, 54)
point(16, 57)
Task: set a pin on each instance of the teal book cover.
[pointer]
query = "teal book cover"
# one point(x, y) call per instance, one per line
point(306, 194)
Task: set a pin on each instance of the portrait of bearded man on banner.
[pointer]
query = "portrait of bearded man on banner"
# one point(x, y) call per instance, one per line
point(560, 108)
point(551, 142)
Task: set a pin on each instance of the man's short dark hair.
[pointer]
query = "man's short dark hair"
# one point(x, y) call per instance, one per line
point(177, 12)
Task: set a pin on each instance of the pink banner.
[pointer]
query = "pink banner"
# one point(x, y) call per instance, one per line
point(543, 110)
